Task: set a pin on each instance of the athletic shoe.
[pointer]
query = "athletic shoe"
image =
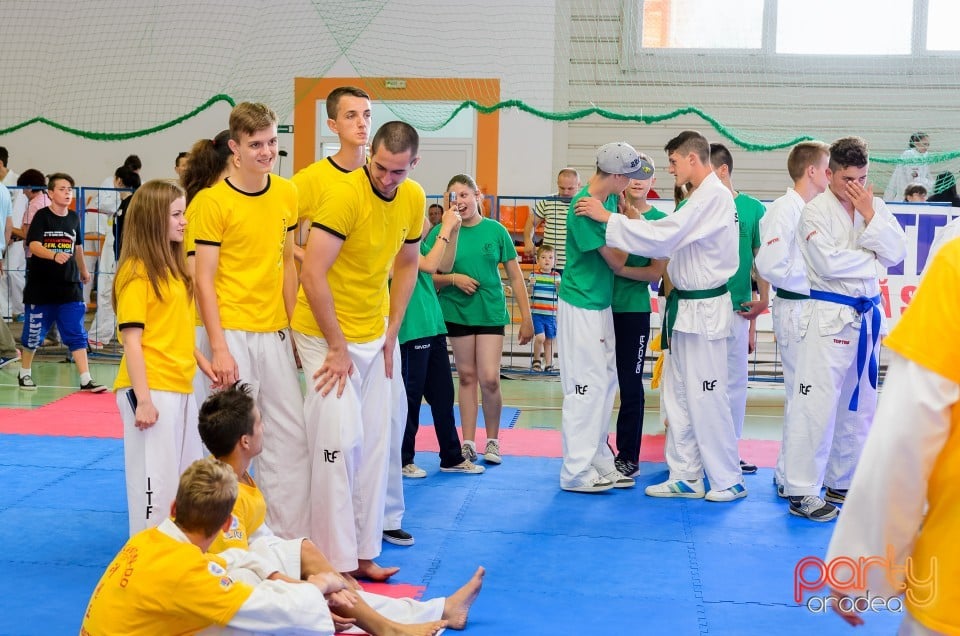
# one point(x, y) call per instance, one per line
point(682, 488)
point(813, 508)
point(626, 467)
point(95, 345)
point(746, 468)
point(26, 383)
point(781, 491)
point(469, 453)
point(620, 480)
point(5, 361)
point(597, 484)
point(92, 387)
point(398, 537)
point(466, 467)
point(835, 496)
point(412, 471)
point(492, 453)
point(736, 491)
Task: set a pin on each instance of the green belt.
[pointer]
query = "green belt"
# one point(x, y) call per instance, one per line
point(673, 303)
point(789, 295)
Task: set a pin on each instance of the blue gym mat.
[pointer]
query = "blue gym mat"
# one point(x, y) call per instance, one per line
point(557, 563)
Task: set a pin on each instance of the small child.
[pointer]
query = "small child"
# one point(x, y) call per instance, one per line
point(915, 193)
point(544, 286)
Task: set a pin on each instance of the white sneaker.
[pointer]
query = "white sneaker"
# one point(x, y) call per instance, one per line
point(465, 467)
point(619, 480)
point(597, 484)
point(491, 454)
point(736, 491)
point(412, 471)
point(682, 488)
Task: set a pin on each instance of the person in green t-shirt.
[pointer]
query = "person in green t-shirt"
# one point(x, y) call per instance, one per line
point(743, 338)
point(631, 325)
point(475, 311)
point(585, 326)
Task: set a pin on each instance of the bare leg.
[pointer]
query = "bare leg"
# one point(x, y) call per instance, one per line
point(489, 351)
point(80, 359)
point(465, 357)
point(457, 606)
point(548, 351)
point(538, 347)
point(26, 358)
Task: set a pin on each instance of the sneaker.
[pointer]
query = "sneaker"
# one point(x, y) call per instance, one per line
point(412, 471)
point(597, 484)
point(95, 345)
point(620, 480)
point(492, 453)
point(5, 361)
point(747, 468)
point(626, 467)
point(736, 491)
point(467, 467)
point(813, 508)
point(685, 489)
point(92, 387)
point(398, 537)
point(835, 496)
point(469, 453)
point(26, 383)
point(781, 491)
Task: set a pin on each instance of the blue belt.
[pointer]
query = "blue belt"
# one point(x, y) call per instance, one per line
point(862, 304)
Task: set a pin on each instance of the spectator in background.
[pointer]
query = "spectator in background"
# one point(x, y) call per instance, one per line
point(915, 193)
point(552, 212)
point(8, 350)
point(105, 320)
point(7, 176)
point(435, 214)
point(945, 190)
point(180, 164)
point(912, 168)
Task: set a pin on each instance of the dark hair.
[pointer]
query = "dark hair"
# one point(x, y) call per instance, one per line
point(435, 205)
point(225, 417)
point(4, 155)
point(911, 190)
point(208, 159)
point(396, 137)
point(848, 152)
point(720, 156)
point(689, 141)
point(945, 190)
point(33, 179)
point(59, 176)
point(180, 155)
point(128, 177)
point(333, 99)
point(133, 162)
point(916, 137)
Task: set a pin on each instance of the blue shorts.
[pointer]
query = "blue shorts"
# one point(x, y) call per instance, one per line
point(37, 320)
point(547, 325)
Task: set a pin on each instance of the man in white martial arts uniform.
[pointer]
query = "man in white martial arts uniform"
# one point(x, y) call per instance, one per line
point(369, 221)
point(743, 335)
point(701, 241)
point(902, 513)
point(780, 262)
point(588, 365)
point(231, 428)
point(246, 287)
point(846, 234)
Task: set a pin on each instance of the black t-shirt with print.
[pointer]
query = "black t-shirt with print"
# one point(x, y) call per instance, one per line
point(49, 282)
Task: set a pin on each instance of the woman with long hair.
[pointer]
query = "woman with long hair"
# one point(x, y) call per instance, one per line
point(153, 300)
point(475, 311)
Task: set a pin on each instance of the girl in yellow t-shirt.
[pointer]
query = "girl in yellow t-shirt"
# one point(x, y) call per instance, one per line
point(153, 299)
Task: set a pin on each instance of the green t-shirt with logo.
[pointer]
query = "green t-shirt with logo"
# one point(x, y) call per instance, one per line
point(423, 319)
point(634, 295)
point(749, 213)
point(587, 279)
point(480, 250)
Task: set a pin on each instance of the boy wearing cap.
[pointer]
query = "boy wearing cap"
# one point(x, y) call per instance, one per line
point(588, 371)
point(701, 242)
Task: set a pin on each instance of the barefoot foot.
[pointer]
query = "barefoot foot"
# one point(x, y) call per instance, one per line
point(368, 569)
point(416, 629)
point(457, 606)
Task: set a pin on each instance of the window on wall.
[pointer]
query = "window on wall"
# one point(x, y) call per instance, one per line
point(845, 27)
point(702, 24)
point(943, 20)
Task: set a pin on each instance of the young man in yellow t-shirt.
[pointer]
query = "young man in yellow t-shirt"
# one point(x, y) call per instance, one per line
point(162, 582)
point(367, 224)
point(246, 285)
point(232, 430)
